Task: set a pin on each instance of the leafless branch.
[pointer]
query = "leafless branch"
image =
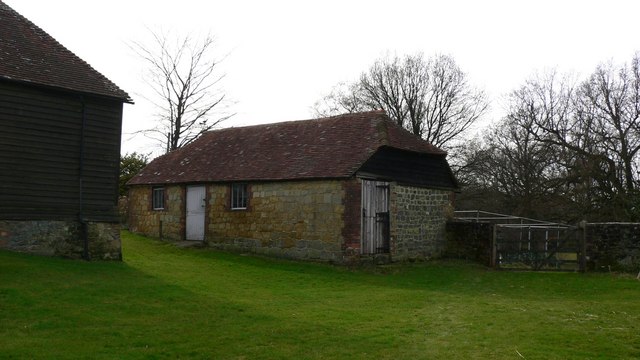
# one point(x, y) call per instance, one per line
point(182, 72)
point(431, 98)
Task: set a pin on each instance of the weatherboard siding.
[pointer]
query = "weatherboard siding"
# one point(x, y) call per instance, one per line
point(40, 154)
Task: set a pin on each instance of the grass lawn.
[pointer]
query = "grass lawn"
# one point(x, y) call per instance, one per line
point(166, 302)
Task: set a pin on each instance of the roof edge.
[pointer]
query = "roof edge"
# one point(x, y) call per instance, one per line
point(127, 100)
point(200, 182)
point(111, 89)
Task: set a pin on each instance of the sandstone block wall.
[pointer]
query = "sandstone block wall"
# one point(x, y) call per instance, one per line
point(295, 219)
point(417, 222)
point(167, 223)
point(61, 238)
point(315, 220)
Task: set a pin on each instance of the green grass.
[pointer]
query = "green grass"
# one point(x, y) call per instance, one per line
point(165, 302)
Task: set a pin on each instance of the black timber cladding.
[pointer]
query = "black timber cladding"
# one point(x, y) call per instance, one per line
point(41, 148)
point(410, 168)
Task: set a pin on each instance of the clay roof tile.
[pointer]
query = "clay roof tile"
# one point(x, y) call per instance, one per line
point(28, 54)
point(333, 147)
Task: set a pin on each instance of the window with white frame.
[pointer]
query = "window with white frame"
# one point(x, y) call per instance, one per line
point(239, 196)
point(157, 198)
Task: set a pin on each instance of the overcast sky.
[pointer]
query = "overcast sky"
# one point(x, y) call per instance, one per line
point(282, 56)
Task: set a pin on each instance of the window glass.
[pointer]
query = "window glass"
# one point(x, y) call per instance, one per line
point(157, 198)
point(238, 196)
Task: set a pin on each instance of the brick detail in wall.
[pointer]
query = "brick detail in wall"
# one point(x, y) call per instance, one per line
point(352, 217)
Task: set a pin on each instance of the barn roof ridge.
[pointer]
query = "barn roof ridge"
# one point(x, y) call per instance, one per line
point(285, 122)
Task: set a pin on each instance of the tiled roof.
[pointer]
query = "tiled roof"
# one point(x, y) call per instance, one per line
point(28, 54)
point(334, 147)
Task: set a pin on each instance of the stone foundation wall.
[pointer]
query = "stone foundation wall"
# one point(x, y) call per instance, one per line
point(417, 222)
point(61, 238)
point(167, 223)
point(294, 219)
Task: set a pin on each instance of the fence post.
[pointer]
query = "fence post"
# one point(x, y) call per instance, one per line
point(494, 246)
point(583, 245)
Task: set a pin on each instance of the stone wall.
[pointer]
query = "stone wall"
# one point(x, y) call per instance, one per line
point(294, 219)
point(613, 246)
point(167, 223)
point(61, 238)
point(315, 220)
point(417, 222)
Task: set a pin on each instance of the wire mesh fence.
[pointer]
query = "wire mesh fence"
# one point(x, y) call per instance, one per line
point(520, 243)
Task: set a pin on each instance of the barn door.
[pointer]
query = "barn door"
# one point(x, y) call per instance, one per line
point(375, 217)
point(196, 202)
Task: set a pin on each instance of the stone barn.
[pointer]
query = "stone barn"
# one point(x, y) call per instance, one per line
point(337, 189)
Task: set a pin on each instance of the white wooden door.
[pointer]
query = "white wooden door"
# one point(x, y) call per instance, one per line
point(196, 204)
point(375, 217)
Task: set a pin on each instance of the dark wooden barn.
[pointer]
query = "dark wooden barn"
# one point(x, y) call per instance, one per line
point(60, 126)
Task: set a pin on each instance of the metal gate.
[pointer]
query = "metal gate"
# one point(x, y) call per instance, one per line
point(537, 247)
point(519, 243)
point(375, 217)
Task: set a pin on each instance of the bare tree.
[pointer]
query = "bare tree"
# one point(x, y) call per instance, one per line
point(545, 108)
point(183, 75)
point(609, 102)
point(343, 98)
point(568, 147)
point(526, 170)
point(398, 86)
point(431, 98)
point(452, 105)
point(597, 126)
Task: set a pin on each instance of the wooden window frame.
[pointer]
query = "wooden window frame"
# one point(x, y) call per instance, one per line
point(161, 198)
point(241, 202)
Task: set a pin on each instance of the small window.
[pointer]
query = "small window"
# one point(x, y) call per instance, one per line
point(157, 198)
point(238, 196)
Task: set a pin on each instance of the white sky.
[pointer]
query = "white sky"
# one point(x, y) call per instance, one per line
point(284, 55)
